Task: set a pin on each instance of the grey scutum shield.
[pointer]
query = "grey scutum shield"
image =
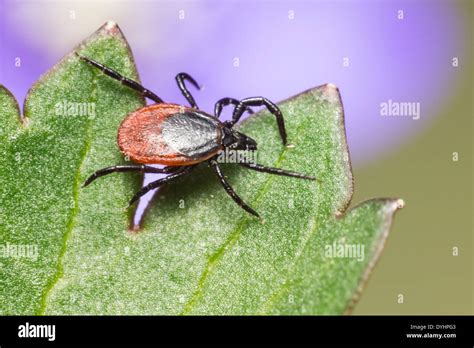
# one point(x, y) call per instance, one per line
point(191, 133)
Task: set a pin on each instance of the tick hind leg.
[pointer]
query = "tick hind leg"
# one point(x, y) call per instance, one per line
point(123, 80)
point(230, 191)
point(180, 80)
point(260, 101)
point(128, 168)
point(174, 175)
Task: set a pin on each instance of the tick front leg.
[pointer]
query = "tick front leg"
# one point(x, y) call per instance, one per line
point(127, 168)
point(260, 101)
point(123, 80)
point(224, 102)
point(180, 79)
point(230, 191)
point(276, 171)
point(145, 189)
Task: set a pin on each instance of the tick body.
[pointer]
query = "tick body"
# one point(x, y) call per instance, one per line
point(181, 137)
point(170, 134)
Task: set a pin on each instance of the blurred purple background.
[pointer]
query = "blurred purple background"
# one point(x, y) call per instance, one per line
point(271, 48)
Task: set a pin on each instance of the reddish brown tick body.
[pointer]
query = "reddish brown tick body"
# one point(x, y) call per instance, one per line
point(149, 135)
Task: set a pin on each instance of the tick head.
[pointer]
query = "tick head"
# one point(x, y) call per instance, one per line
point(238, 141)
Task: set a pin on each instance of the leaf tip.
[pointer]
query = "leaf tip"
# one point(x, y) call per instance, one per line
point(111, 27)
point(392, 205)
point(331, 86)
point(400, 203)
point(330, 92)
point(110, 24)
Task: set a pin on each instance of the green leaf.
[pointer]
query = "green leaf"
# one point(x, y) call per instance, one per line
point(198, 252)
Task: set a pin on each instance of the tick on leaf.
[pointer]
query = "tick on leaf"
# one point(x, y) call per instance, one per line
point(181, 137)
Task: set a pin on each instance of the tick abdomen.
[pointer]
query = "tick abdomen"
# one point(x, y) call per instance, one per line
point(169, 134)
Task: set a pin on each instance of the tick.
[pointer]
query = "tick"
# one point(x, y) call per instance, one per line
point(181, 137)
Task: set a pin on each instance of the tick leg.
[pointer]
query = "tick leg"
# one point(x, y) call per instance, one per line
point(145, 189)
point(123, 80)
point(260, 101)
point(276, 171)
point(224, 102)
point(127, 168)
point(230, 191)
point(180, 78)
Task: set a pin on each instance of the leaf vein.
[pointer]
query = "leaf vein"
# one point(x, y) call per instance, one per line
point(234, 236)
point(70, 225)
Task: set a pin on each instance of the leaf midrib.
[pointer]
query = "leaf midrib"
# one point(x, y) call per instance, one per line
point(71, 222)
